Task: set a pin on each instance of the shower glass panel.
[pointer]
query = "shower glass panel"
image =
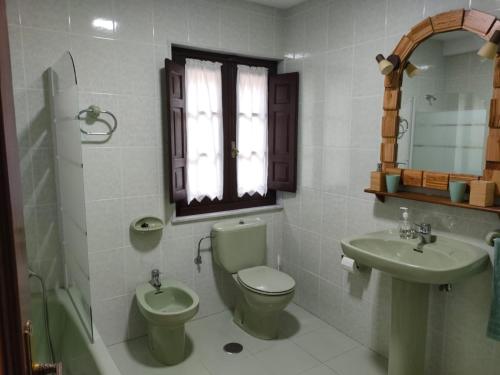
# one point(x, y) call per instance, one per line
point(451, 138)
point(444, 109)
point(70, 185)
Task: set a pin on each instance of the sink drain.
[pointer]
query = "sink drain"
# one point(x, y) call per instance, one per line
point(233, 348)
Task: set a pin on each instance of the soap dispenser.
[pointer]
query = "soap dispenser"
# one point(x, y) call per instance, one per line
point(377, 179)
point(405, 229)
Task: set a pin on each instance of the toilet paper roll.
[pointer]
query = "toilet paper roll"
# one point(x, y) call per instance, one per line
point(349, 264)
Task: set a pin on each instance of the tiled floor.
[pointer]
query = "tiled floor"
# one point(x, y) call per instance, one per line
point(307, 346)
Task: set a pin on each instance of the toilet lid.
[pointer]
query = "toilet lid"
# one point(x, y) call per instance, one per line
point(266, 280)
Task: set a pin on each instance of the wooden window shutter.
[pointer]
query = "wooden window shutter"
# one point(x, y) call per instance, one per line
point(176, 110)
point(282, 131)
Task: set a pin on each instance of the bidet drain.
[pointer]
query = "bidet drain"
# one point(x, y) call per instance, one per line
point(233, 348)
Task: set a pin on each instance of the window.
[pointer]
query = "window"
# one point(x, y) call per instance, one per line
point(232, 126)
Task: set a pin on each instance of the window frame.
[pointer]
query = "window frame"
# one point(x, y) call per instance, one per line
point(230, 200)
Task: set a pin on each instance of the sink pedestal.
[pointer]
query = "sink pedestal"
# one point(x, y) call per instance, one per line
point(408, 327)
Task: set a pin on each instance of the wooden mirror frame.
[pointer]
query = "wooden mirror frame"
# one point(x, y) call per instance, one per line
point(479, 23)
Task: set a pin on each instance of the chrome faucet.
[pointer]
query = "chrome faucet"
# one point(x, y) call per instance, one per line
point(424, 232)
point(155, 279)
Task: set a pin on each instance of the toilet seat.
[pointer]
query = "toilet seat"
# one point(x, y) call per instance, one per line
point(266, 280)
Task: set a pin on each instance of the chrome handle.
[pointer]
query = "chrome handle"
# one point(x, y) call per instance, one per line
point(155, 273)
point(424, 228)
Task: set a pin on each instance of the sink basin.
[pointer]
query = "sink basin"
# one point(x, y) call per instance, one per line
point(442, 262)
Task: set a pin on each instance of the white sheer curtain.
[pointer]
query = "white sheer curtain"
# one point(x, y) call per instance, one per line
point(251, 130)
point(204, 130)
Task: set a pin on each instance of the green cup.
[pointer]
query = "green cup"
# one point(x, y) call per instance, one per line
point(457, 191)
point(392, 182)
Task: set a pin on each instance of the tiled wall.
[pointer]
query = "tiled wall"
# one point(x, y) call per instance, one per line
point(333, 45)
point(119, 70)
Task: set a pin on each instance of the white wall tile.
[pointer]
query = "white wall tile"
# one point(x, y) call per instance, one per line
point(48, 14)
point(136, 62)
point(365, 125)
point(310, 252)
point(336, 171)
point(235, 26)
point(111, 317)
point(140, 174)
point(12, 12)
point(104, 224)
point(92, 17)
point(311, 166)
point(103, 173)
point(178, 259)
point(107, 273)
point(311, 210)
point(204, 23)
point(316, 23)
point(340, 24)
point(402, 15)
point(367, 78)
point(134, 20)
point(170, 20)
point(139, 121)
point(262, 35)
point(375, 12)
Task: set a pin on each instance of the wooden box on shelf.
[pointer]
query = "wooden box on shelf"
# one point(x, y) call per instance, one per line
point(482, 193)
point(377, 181)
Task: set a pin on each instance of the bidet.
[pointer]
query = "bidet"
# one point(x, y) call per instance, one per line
point(167, 306)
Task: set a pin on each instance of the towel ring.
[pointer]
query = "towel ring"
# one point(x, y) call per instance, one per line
point(94, 112)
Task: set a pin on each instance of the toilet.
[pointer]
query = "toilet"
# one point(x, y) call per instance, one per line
point(239, 248)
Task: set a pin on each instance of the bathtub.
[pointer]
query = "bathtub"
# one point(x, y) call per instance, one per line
point(71, 343)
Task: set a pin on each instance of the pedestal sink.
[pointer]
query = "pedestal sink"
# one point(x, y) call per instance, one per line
point(444, 261)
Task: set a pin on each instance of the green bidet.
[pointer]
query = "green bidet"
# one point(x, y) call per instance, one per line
point(166, 310)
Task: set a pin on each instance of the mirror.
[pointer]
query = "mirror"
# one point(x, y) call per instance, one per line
point(445, 107)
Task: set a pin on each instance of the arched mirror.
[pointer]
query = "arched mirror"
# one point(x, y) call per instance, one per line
point(441, 118)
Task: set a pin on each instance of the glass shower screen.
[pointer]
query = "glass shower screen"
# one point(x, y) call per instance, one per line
point(64, 106)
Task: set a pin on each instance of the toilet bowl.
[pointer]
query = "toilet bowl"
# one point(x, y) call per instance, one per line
point(166, 310)
point(239, 247)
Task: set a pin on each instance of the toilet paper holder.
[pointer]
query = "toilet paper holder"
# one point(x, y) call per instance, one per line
point(356, 263)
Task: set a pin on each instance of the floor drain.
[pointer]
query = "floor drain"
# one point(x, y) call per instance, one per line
point(233, 348)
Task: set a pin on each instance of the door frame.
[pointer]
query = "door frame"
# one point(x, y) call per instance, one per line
point(14, 288)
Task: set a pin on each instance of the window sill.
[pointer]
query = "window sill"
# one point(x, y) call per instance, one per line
point(224, 214)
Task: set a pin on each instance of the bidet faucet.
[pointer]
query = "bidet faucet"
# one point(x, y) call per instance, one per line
point(155, 279)
point(424, 232)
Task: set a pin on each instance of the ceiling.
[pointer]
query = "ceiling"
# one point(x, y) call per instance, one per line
point(283, 4)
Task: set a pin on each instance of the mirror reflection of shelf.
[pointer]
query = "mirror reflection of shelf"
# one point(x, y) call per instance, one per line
point(450, 146)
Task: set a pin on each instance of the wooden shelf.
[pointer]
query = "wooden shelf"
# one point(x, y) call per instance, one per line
point(445, 201)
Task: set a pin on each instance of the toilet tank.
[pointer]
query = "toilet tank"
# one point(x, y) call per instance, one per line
point(239, 244)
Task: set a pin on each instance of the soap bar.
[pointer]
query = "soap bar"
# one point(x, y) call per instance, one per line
point(377, 181)
point(482, 193)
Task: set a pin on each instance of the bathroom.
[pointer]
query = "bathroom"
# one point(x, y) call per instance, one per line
point(93, 230)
